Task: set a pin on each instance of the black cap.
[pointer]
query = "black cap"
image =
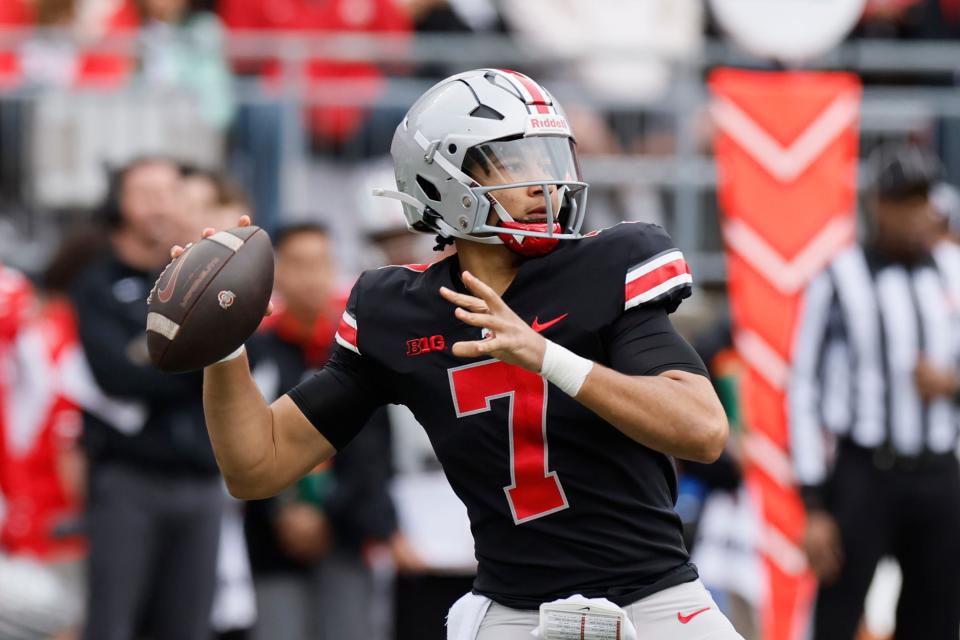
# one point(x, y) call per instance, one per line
point(904, 171)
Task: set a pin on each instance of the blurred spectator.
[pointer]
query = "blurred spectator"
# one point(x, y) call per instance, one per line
point(155, 498)
point(913, 19)
point(57, 55)
point(201, 193)
point(212, 200)
point(308, 545)
point(621, 48)
point(183, 49)
point(875, 379)
point(363, 82)
point(885, 18)
point(451, 17)
point(40, 578)
point(43, 472)
point(632, 200)
point(15, 306)
point(256, 138)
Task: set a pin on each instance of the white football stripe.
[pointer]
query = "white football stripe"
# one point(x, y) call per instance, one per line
point(349, 320)
point(228, 240)
point(662, 288)
point(656, 263)
point(162, 325)
point(345, 344)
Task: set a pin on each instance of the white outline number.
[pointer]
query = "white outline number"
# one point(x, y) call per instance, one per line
point(534, 491)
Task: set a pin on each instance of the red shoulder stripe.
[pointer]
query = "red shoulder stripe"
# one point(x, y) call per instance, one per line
point(347, 333)
point(655, 277)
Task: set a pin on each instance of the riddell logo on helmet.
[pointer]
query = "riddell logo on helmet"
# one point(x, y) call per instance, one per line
point(547, 124)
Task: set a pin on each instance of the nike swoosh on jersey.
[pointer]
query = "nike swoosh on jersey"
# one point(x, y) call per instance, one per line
point(685, 619)
point(163, 295)
point(539, 328)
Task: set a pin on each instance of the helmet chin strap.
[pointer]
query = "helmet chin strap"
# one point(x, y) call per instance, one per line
point(504, 216)
point(515, 242)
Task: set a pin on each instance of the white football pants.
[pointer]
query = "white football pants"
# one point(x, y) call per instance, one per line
point(683, 612)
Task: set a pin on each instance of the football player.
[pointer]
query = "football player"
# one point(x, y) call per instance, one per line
point(541, 362)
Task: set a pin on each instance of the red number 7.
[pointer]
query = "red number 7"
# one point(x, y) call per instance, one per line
point(534, 491)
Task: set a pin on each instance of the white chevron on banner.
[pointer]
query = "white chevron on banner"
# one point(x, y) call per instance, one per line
point(769, 457)
point(782, 551)
point(786, 163)
point(789, 276)
point(758, 353)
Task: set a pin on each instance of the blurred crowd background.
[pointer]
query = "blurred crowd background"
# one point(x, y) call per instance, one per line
point(127, 126)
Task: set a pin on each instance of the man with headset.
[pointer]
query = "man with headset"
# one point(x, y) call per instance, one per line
point(155, 498)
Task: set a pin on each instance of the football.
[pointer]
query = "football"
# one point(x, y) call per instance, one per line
point(210, 299)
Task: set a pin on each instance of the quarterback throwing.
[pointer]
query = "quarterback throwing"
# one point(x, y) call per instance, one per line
point(541, 362)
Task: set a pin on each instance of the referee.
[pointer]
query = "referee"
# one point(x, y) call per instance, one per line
point(873, 414)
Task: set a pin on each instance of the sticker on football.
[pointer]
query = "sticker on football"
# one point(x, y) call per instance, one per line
point(210, 299)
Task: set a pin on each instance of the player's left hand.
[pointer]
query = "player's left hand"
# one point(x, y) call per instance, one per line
point(510, 339)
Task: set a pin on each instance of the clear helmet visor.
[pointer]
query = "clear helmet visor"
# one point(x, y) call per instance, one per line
point(533, 179)
point(504, 162)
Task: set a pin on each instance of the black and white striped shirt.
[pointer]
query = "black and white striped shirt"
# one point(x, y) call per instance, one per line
point(864, 324)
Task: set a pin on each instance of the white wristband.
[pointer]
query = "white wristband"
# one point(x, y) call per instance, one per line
point(233, 355)
point(564, 368)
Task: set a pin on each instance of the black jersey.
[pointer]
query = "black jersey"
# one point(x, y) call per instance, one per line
point(560, 502)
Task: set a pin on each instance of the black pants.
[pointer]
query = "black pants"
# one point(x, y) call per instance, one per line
point(153, 555)
point(911, 513)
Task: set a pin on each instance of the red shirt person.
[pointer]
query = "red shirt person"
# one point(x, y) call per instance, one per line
point(305, 17)
point(40, 428)
point(71, 66)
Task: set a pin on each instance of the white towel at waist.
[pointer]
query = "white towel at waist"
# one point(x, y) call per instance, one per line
point(465, 616)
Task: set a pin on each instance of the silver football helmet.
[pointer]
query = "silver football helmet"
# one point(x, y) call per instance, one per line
point(475, 134)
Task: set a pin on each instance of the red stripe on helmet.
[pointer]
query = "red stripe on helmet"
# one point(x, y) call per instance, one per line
point(538, 97)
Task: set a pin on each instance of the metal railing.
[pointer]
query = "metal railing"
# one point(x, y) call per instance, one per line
point(65, 163)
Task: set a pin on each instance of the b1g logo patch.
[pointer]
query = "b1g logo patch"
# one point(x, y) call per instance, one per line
point(226, 298)
point(419, 346)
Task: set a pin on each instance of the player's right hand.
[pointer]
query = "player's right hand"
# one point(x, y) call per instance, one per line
point(508, 339)
point(176, 250)
point(822, 544)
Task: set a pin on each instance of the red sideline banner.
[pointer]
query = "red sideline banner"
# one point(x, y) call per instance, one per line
point(786, 149)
